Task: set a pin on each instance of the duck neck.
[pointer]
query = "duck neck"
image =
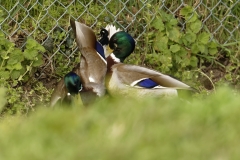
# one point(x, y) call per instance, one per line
point(111, 60)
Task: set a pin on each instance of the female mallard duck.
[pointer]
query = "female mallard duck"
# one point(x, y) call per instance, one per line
point(92, 68)
point(125, 79)
point(67, 88)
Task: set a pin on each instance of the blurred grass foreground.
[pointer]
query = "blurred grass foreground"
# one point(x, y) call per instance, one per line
point(203, 128)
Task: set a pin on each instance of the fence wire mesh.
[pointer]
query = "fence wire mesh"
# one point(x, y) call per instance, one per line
point(47, 21)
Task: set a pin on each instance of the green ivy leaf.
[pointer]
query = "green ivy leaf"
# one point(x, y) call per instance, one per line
point(173, 34)
point(15, 74)
point(189, 37)
point(166, 17)
point(212, 48)
point(203, 37)
point(202, 48)
point(23, 70)
point(16, 66)
point(192, 18)
point(166, 60)
point(189, 14)
point(182, 52)
point(161, 43)
point(196, 26)
point(186, 11)
point(4, 54)
point(30, 54)
point(194, 48)
point(212, 51)
point(173, 22)
point(31, 43)
point(15, 57)
point(212, 45)
point(7, 45)
point(38, 61)
point(158, 24)
point(174, 48)
point(40, 48)
point(193, 61)
point(12, 61)
point(186, 62)
point(178, 59)
point(5, 74)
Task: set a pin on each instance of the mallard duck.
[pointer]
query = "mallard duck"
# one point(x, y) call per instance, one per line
point(67, 88)
point(125, 79)
point(92, 67)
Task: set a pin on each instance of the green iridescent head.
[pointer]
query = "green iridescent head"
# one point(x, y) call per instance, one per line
point(73, 83)
point(122, 44)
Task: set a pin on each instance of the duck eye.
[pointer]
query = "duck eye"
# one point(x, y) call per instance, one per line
point(104, 32)
point(115, 45)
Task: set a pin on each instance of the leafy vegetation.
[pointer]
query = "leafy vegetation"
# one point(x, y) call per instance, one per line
point(18, 68)
point(180, 51)
point(17, 65)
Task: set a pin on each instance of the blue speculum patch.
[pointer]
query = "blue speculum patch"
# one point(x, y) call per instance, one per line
point(99, 49)
point(147, 83)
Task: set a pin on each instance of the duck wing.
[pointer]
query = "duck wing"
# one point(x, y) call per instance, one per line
point(93, 66)
point(136, 75)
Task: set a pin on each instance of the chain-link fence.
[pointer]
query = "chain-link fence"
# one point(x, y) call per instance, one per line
point(47, 21)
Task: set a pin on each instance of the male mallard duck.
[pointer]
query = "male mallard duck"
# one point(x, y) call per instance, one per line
point(125, 79)
point(92, 67)
point(69, 86)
